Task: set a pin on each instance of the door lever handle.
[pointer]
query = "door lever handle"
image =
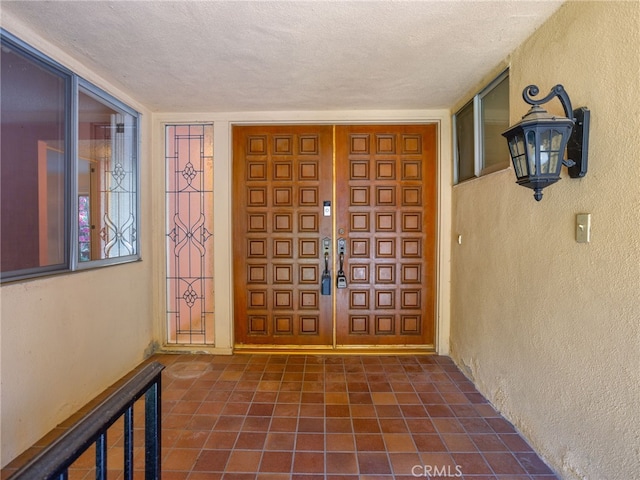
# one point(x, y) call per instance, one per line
point(341, 278)
point(325, 280)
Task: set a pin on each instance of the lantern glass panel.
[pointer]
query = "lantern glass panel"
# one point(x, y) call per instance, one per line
point(531, 152)
point(556, 145)
point(518, 154)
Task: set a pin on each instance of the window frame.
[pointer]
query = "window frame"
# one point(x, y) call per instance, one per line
point(73, 84)
point(478, 159)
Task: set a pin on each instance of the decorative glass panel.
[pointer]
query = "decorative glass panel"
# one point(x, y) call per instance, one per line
point(189, 197)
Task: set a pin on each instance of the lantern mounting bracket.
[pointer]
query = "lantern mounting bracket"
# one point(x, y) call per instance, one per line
point(557, 91)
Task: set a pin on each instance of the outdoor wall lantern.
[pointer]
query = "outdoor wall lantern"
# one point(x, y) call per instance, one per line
point(538, 141)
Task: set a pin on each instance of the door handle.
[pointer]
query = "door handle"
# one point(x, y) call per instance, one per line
point(341, 278)
point(325, 280)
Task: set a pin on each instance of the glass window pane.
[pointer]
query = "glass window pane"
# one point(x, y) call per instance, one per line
point(33, 163)
point(465, 143)
point(106, 180)
point(494, 110)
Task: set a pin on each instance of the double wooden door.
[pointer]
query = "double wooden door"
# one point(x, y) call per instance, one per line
point(356, 202)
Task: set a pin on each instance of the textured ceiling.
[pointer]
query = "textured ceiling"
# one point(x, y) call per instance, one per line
point(225, 56)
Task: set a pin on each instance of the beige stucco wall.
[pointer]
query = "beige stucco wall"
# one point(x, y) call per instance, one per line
point(547, 328)
point(65, 338)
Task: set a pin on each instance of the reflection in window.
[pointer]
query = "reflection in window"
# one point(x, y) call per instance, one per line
point(494, 113)
point(106, 144)
point(32, 163)
point(84, 228)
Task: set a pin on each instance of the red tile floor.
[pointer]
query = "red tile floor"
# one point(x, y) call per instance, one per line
point(328, 417)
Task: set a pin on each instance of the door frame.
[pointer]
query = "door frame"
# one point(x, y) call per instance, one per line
point(223, 169)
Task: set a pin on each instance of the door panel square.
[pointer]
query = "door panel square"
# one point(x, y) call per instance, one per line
point(386, 222)
point(385, 299)
point(282, 171)
point(256, 171)
point(257, 248)
point(385, 247)
point(385, 170)
point(360, 222)
point(411, 196)
point(282, 145)
point(309, 274)
point(257, 145)
point(385, 144)
point(412, 144)
point(308, 196)
point(257, 273)
point(282, 222)
point(258, 299)
point(257, 197)
point(309, 325)
point(358, 325)
point(385, 274)
point(359, 195)
point(308, 222)
point(309, 144)
point(359, 144)
point(411, 273)
point(257, 325)
point(282, 273)
point(308, 248)
point(410, 299)
point(282, 196)
point(411, 247)
point(282, 325)
point(359, 247)
point(308, 171)
point(309, 299)
point(385, 325)
point(283, 299)
point(257, 222)
point(410, 324)
point(359, 170)
point(359, 273)
point(283, 247)
point(385, 196)
point(359, 299)
point(411, 222)
point(411, 170)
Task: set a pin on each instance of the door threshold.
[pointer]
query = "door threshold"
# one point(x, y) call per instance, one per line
point(338, 350)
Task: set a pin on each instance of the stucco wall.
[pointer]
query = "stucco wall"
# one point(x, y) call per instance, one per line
point(547, 328)
point(65, 338)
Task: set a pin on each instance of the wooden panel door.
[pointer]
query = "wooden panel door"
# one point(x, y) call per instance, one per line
point(282, 175)
point(387, 213)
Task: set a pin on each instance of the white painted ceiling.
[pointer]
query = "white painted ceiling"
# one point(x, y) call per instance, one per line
point(232, 56)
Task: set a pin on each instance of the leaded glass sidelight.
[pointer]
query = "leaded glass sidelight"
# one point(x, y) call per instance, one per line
point(189, 239)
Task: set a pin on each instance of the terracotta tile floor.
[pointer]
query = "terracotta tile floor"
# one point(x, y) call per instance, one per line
point(327, 417)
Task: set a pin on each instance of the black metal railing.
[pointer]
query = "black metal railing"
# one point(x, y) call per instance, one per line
point(54, 461)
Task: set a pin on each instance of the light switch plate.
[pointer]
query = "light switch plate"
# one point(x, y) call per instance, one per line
point(583, 227)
